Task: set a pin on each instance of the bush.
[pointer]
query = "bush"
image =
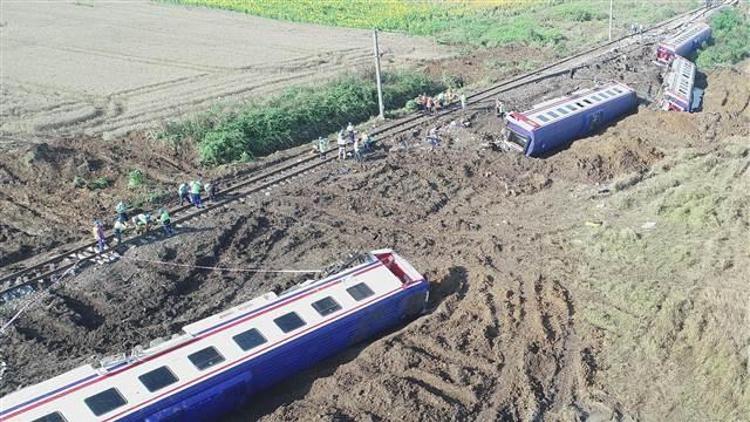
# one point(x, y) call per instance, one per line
point(731, 40)
point(135, 179)
point(296, 116)
point(99, 183)
point(79, 182)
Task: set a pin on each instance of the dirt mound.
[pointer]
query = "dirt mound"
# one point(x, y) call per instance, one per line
point(53, 188)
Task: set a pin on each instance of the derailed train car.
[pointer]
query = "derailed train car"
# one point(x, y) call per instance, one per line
point(554, 124)
point(678, 87)
point(683, 44)
point(218, 362)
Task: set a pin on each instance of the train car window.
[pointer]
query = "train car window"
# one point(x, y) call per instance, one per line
point(552, 114)
point(157, 379)
point(542, 118)
point(587, 101)
point(617, 90)
point(596, 97)
point(562, 111)
point(326, 306)
point(604, 94)
point(289, 322)
point(571, 107)
point(612, 93)
point(106, 401)
point(360, 291)
point(249, 339)
point(206, 358)
point(52, 417)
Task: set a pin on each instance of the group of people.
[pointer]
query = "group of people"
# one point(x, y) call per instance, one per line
point(190, 192)
point(361, 143)
point(440, 101)
point(142, 223)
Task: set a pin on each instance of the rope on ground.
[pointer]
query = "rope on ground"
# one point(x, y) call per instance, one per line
point(230, 269)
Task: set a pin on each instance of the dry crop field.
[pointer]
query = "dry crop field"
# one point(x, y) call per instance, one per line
point(111, 67)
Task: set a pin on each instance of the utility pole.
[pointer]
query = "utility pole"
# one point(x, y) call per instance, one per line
point(377, 74)
point(610, 18)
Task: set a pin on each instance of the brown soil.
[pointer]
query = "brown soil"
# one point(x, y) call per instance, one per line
point(549, 300)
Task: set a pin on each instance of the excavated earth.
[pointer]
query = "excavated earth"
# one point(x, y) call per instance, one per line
point(607, 282)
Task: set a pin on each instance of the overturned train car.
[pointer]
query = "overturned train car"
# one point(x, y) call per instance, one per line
point(554, 124)
point(678, 92)
point(215, 364)
point(683, 44)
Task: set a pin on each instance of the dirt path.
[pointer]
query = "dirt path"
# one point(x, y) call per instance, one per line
point(113, 66)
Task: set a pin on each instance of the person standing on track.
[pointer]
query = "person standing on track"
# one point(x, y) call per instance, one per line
point(499, 108)
point(166, 222)
point(121, 210)
point(99, 236)
point(357, 150)
point(322, 147)
point(463, 102)
point(210, 189)
point(341, 142)
point(195, 191)
point(183, 193)
point(119, 228)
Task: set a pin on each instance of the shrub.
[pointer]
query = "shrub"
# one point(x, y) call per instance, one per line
point(731, 40)
point(296, 116)
point(135, 179)
point(79, 182)
point(99, 183)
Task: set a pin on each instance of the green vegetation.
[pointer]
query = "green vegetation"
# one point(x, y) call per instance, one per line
point(673, 295)
point(136, 178)
point(99, 183)
point(561, 23)
point(295, 116)
point(731, 40)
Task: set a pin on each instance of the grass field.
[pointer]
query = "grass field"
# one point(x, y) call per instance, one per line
point(491, 23)
point(295, 116)
point(730, 42)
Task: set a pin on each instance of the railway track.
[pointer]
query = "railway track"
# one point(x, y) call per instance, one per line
point(34, 277)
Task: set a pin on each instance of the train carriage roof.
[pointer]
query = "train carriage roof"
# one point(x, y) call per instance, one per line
point(557, 109)
point(685, 36)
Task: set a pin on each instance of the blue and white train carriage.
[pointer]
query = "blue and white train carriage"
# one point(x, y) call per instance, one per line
point(554, 124)
point(683, 44)
point(216, 363)
point(677, 93)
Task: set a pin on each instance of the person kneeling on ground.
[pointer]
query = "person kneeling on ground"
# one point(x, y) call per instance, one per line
point(142, 223)
point(166, 222)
